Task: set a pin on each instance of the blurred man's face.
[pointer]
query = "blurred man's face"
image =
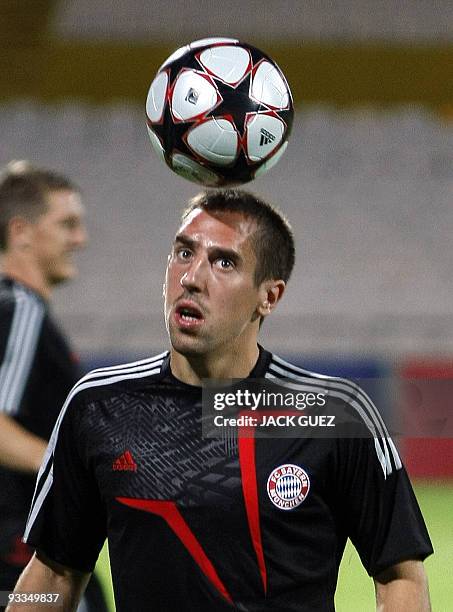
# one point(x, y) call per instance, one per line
point(210, 294)
point(57, 234)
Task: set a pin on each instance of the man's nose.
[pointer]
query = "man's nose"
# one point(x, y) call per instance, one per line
point(80, 237)
point(194, 278)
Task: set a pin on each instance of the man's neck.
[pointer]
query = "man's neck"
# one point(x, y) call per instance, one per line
point(233, 364)
point(27, 274)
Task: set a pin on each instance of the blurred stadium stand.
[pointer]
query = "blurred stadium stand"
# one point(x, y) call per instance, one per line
point(296, 19)
point(346, 53)
point(367, 180)
point(369, 193)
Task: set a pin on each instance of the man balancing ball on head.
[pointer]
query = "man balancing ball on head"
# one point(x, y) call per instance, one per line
point(190, 520)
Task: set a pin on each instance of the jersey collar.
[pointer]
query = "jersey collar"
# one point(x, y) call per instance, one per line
point(259, 370)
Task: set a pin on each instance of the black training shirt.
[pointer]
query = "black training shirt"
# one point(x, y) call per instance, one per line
point(194, 523)
point(37, 370)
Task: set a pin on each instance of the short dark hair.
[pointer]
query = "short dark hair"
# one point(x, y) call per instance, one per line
point(273, 240)
point(23, 192)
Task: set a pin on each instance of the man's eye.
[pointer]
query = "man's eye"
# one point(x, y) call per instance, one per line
point(183, 253)
point(224, 264)
point(69, 224)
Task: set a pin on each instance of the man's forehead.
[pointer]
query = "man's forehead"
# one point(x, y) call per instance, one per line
point(64, 202)
point(227, 225)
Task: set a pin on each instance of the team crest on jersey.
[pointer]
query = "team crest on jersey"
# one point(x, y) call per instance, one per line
point(288, 486)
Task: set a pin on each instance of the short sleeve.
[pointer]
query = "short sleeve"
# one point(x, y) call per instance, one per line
point(20, 328)
point(379, 507)
point(67, 517)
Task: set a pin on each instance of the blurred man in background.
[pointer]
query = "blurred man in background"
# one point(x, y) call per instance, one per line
point(41, 226)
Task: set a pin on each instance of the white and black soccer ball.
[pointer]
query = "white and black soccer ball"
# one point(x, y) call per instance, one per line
point(219, 112)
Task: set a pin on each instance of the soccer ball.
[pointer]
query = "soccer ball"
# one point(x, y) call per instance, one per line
point(219, 112)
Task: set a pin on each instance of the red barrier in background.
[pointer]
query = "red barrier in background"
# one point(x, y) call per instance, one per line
point(427, 457)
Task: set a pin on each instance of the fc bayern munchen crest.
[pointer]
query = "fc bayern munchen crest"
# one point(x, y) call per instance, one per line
point(288, 486)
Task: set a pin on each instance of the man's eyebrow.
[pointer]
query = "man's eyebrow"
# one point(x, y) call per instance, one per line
point(185, 240)
point(223, 253)
point(215, 252)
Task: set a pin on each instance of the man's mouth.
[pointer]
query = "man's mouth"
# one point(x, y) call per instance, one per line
point(188, 315)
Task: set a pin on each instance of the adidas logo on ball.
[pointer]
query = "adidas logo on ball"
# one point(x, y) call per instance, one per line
point(266, 137)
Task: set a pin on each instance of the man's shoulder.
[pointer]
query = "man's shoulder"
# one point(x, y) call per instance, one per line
point(108, 382)
point(335, 387)
point(347, 395)
point(281, 368)
point(15, 295)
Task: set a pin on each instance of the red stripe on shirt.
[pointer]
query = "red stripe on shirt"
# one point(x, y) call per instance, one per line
point(170, 513)
point(250, 492)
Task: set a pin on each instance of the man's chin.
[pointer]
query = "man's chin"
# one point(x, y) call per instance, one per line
point(63, 276)
point(187, 345)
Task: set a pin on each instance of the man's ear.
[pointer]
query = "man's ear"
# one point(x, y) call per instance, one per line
point(271, 292)
point(19, 233)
